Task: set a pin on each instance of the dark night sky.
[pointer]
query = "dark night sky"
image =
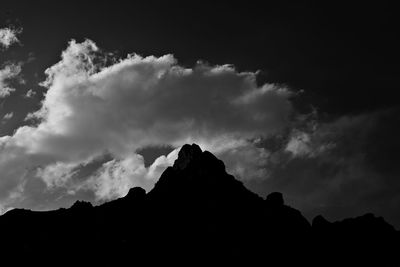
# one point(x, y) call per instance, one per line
point(336, 156)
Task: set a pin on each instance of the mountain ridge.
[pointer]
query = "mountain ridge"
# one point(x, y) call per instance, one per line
point(203, 212)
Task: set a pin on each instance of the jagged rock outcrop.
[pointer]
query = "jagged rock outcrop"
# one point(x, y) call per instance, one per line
point(81, 205)
point(187, 154)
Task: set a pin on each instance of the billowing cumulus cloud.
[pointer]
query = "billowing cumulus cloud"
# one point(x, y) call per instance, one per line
point(93, 108)
point(8, 36)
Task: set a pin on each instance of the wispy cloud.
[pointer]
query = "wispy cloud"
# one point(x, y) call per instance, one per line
point(7, 73)
point(344, 167)
point(30, 93)
point(8, 36)
point(8, 116)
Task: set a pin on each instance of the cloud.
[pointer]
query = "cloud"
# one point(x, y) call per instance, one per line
point(30, 93)
point(7, 73)
point(344, 167)
point(299, 144)
point(8, 116)
point(8, 36)
point(116, 177)
point(98, 112)
point(57, 174)
point(305, 144)
point(93, 108)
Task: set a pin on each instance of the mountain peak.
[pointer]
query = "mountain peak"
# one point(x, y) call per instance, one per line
point(80, 205)
point(186, 155)
point(136, 193)
point(196, 174)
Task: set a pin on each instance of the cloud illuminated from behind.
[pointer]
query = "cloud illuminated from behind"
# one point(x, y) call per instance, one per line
point(92, 109)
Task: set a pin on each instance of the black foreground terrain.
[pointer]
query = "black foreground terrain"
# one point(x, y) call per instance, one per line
point(196, 214)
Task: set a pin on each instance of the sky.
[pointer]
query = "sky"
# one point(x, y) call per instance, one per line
point(98, 97)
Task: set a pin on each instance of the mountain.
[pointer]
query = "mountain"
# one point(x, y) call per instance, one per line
point(196, 213)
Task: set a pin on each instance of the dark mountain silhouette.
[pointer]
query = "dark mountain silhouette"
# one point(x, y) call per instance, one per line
point(196, 214)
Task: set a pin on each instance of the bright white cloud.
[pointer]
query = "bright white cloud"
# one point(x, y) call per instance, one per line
point(90, 110)
point(8, 36)
point(116, 177)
